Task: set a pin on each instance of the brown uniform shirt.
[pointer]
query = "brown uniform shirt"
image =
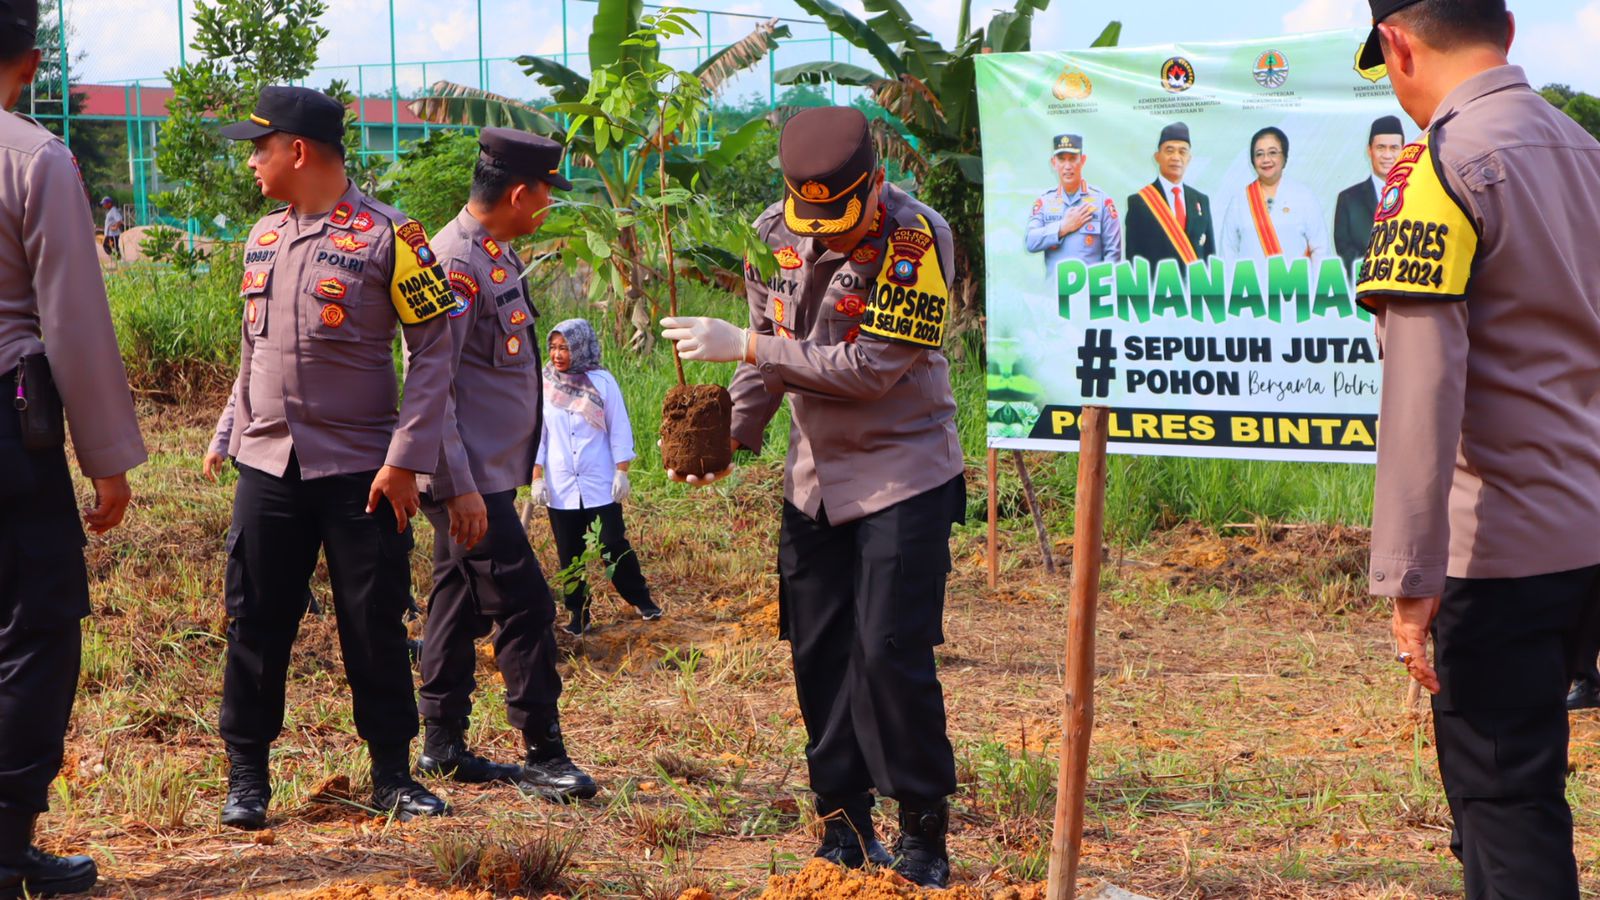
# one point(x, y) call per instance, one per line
point(1488, 293)
point(316, 372)
point(493, 428)
point(873, 419)
point(51, 292)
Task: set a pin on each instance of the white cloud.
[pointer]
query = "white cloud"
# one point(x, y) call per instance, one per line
point(1560, 51)
point(1322, 15)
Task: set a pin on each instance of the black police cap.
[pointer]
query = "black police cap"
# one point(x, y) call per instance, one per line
point(292, 110)
point(1372, 54)
point(19, 16)
point(828, 161)
point(529, 156)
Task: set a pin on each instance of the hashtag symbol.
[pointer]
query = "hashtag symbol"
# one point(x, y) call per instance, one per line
point(1096, 371)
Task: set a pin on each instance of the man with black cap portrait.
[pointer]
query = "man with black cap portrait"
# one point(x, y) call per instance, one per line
point(59, 365)
point(850, 330)
point(485, 574)
point(1486, 501)
point(1074, 219)
point(327, 459)
point(1352, 213)
point(1168, 219)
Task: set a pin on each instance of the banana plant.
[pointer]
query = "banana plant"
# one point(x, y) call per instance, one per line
point(612, 163)
point(931, 94)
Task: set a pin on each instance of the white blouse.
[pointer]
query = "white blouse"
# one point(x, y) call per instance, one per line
point(579, 459)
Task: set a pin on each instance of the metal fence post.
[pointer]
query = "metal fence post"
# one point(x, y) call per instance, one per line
point(394, 91)
point(66, 90)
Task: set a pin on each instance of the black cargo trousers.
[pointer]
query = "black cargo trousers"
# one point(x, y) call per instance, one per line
point(44, 596)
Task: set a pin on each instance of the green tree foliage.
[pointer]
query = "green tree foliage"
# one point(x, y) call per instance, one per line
point(931, 94)
point(240, 47)
point(433, 177)
point(622, 149)
point(1583, 108)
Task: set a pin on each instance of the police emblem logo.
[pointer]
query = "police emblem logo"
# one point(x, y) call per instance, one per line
point(346, 242)
point(788, 258)
point(518, 317)
point(463, 303)
point(1394, 198)
point(341, 214)
point(513, 345)
point(851, 305)
point(464, 284)
point(332, 315)
point(864, 255)
point(1111, 208)
point(498, 275)
point(417, 239)
point(331, 288)
point(267, 240)
point(250, 312)
point(851, 335)
point(492, 248)
point(1072, 84)
point(260, 280)
point(362, 222)
point(1088, 240)
point(244, 284)
point(1271, 69)
point(1177, 75)
point(814, 191)
point(904, 272)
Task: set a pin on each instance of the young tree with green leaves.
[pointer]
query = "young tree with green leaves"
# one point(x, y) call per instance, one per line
point(241, 47)
point(619, 243)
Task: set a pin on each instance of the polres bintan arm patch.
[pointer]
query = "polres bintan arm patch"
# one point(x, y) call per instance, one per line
point(910, 301)
point(1423, 238)
point(419, 289)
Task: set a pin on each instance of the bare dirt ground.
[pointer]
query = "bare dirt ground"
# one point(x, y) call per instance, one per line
point(1251, 739)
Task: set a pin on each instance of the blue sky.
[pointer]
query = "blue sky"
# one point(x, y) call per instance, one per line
point(124, 39)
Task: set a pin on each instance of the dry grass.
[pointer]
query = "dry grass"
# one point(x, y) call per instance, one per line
point(1250, 740)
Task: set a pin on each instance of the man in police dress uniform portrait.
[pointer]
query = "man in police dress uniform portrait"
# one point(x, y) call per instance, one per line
point(1074, 219)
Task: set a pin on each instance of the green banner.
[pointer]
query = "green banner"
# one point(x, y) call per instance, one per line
point(1173, 232)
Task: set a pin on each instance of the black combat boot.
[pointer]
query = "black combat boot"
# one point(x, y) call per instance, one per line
point(848, 837)
point(920, 854)
point(249, 790)
point(549, 772)
point(395, 792)
point(1584, 694)
point(445, 754)
point(27, 871)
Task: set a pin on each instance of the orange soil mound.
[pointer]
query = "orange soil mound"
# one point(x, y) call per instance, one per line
point(822, 880)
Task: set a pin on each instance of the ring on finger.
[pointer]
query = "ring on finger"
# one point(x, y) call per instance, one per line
point(1403, 658)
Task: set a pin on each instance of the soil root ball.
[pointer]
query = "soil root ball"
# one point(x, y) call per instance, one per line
point(695, 424)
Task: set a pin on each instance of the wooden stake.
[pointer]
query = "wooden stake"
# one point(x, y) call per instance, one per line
point(1077, 703)
point(994, 516)
point(1038, 515)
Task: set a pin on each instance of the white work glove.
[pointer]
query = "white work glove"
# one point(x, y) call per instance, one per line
point(540, 494)
point(620, 488)
point(705, 339)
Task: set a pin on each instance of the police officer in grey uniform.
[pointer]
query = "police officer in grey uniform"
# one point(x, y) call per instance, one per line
point(849, 329)
point(485, 574)
point(54, 321)
point(326, 460)
point(1074, 219)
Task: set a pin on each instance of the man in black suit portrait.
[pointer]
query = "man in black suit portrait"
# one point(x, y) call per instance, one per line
point(1352, 215)
point(1168, 219)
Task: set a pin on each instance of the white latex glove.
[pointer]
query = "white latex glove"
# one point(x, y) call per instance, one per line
point(620, 488)
point(540, 494)
point(705, 339)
